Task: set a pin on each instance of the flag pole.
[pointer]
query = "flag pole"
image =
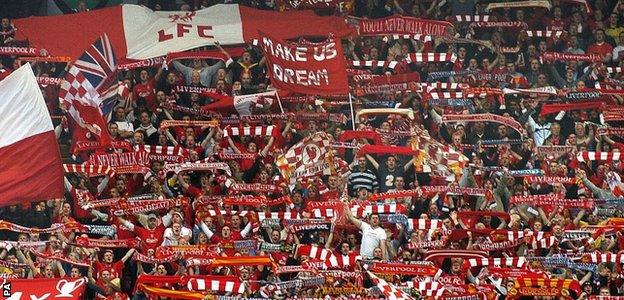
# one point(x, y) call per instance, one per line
point(279, 102)
point(352, 113)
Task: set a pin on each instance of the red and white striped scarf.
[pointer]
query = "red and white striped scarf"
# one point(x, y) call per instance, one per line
point(423, 224)
point(143, 206)
point(388, 290)
point(419, 37)
point(584, 156)
point(162, 150)
point(446, 95)
point(216, 284)
point(517, 262)
point(599, 258)
point(150, 62)
point(430, 86)
point(366, 210)
point(190, 123)
point(256, 201)
point(544, 33)
point(372, 63)
point(532, 198)
point(188, 251)
point(545, 243)
point(343, 262)
point(430, 57)
point(100, 243)
point(248, 131)
point(90, 170)
point(313, 251)
point(472, 18)
point(427, 288)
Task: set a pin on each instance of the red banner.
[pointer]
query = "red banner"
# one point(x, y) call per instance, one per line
point(341, 5)
point(140, 158)
point(403, 25)
point(44, 288)
point(306, 68)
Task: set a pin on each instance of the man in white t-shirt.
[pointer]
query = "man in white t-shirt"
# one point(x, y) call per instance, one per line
point(373, 236)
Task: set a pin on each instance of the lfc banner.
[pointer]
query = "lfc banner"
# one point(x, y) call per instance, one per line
point(44, 288)
point(306, 68)
point(137, 32)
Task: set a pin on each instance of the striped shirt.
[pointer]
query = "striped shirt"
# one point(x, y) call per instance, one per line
point(366, 179)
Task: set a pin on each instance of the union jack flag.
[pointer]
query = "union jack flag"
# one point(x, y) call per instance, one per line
point(89, 91)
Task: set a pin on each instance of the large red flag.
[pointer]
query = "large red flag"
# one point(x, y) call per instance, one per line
point(30, 168)
point(306, 68)
point(44, 288)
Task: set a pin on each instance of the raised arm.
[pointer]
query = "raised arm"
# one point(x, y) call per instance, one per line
point(354, 220)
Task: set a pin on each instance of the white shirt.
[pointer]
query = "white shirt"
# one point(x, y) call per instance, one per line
point(371, 239)
point(170, 240)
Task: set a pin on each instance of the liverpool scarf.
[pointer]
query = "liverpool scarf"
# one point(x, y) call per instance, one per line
point(554, 56)
point(248, 131)
point(403, 25)
point(488, 117)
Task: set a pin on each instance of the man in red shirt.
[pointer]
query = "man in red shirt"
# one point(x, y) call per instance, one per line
point(114, 268)
point(152, 236)
point(601, 47)
point(146, 89)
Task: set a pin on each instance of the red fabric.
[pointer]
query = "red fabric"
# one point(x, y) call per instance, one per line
point(384, 149)
point(38, 288)
point(150, 238)
point(601, 50)
point(146, 90)
point(31, 170)
point(115, 269)
point(317, 69)
point(53, 33)
point(403, 25)
point(555, 108)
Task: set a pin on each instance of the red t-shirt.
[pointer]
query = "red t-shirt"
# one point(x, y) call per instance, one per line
point(115, 269)
point(146, 90)
point(150, 238)
point(602, 49)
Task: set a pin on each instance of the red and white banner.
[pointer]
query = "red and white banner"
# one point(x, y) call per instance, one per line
point(45, 288)
point(341, 5)
point(306, 68)
point(403, 25)
point(31, 162)
point(137, 32)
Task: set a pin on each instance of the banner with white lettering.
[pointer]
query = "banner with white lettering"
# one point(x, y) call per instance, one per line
point(403, 25)
point(140, 158)
point(306, 68)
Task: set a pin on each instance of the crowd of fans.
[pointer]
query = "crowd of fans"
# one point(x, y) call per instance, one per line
point(495, 153)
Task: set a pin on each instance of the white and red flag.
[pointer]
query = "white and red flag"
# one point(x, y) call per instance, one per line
point(138, 33)
point(30, 168)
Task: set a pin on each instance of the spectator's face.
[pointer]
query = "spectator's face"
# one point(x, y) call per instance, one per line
point(377, 253)
point(391, 163)
point(236, 86)
point(108, 257)
point(195, 77)
point(541, 79)
point(374, 53)
point(246, 57)
point(622, 38)
point(399, 182)
point(502, 131)
point(275, 236)
point(252, 148)
point(246, 80)
point(119, 114)
point(152, 222)
point(145, 119)
point(47, 271)
point(5, 22)
point(221, 85)
point(161, 270)
point(144, 76)
point(113, 129)
point(82, 6)
point(171, 78)
point(75, 273)
point(236, 221)
point(557, 13)
point(555, 129)
point(225, 232)
point(114, 192)
point(604, 291)
point(362, 162)
point(344, 248)
point(332, 182)
point(66, 208)
point(176, 228)
point(511, 67)
point(600, 36)
point(534, 65)
point(374, 220)
point(462, 53)
point(520, 15)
